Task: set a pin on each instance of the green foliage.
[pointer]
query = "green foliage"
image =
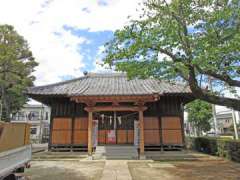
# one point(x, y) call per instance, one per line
point(231, 128)
point(226, 148)
point(199, 115)
point(183, 40)
point(16, 67)
point(207, 145)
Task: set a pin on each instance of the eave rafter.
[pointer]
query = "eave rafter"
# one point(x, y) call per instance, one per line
point(115, 108)
point(115, 99)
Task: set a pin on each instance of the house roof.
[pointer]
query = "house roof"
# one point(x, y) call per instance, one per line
point(94, 84)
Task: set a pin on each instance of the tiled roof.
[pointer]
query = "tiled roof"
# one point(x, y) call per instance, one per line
point(94, 84)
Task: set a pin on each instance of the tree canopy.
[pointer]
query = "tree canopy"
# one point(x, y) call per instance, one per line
point(184, 40)
point(199, 115)
point(16, 66)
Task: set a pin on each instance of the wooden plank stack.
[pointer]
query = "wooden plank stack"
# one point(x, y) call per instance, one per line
point(14, 135)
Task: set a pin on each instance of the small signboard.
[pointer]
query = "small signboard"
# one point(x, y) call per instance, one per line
point(111, 136)
point(95, 133)
point(136, 133)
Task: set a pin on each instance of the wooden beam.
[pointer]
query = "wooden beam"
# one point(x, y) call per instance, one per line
point(119, 98)
point(114, 108)
point(90, 120)
point(141, 125)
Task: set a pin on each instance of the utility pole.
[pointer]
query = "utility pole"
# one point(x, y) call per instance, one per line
point(213, 108)
point(214, 118)
point(234, 124)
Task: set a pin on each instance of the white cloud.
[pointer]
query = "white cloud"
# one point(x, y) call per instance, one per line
point(60, 57)
point(98, 64)
point(56, 49)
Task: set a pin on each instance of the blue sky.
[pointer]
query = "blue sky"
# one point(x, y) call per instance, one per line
point(89, 50)
point(67, 36)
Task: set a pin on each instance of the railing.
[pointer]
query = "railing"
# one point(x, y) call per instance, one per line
point(24, 118)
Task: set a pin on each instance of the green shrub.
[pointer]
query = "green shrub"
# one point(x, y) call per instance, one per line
point(226, 148)
point(206, 145)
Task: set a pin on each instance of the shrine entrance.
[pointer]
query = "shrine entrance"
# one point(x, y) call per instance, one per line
point(116, 127)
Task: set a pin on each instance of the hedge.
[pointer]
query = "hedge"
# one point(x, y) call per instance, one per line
point(226, 148)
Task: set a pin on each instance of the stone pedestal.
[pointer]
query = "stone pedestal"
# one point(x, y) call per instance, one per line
point(90, 157)
point(142, 157)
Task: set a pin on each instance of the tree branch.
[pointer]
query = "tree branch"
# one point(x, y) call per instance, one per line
point(203, 95)
point(226, 78)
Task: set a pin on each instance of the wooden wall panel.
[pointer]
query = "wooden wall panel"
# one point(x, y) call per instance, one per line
point(101, 136)
point(61, 137)
point(80, 137)
point(172, 137)
point(151, 123)
point(151, 131)
point(62, 123)
point(130, 136)
point(62, 107)
point(62, 131)
point(151, 137)
point(81, 123)
point(172, 130)
point(171, 123)
point(121, 136)
point(166, 106)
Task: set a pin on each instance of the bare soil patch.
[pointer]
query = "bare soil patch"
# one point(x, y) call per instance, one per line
point(195, 170)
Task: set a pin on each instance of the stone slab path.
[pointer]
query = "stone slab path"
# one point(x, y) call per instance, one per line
point(116, 170)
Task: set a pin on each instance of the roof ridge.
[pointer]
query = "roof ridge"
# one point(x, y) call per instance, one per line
point(108, 74)
point(90, 74)
point(60, 83)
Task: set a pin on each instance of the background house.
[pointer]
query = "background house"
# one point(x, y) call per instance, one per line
point(39, 118)
point(224, 117)
point(225, 120)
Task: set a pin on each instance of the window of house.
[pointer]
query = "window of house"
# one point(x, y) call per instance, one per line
point(33, 115)
point(46, 131)
point(46, 116)
point(19, 116)
point(33, 131)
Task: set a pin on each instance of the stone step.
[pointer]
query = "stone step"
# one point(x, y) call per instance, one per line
point(96, 157)
point(102, 148)
point(116, 152)
point(121, 157)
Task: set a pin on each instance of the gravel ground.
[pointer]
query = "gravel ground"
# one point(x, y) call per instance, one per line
point(62, 170)
point(210, 169)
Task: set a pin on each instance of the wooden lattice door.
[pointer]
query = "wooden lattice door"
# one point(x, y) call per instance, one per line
point(119, 130)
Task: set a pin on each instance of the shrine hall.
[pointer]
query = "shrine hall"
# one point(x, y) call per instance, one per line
point(109, 109)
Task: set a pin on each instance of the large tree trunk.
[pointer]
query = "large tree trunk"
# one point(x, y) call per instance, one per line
point(5, 106)
point(206, 96)
point(5, 101)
